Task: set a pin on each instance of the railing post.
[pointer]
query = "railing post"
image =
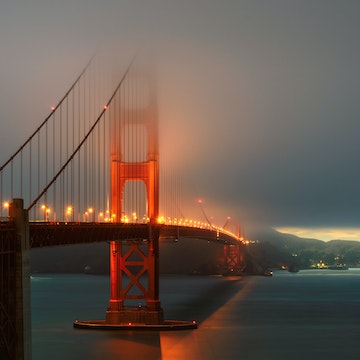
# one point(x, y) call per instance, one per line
point(19, 215)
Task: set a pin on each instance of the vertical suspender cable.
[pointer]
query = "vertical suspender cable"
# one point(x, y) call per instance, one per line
point(38, 163)
point(132, 142)
point(79, 156)
point(67, 155)
point(92, 152)
point(61, 205)
point(85, 154)
point(127, 150)
point(53, 163)
point(30, 174)
point(135, 125)
point(98, 205)
point(46, 156)
point(12, 178)
point(131, 153)
point(104, 162)
point(21, 175)
point(72, 163)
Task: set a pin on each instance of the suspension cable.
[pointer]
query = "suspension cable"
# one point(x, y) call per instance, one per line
point(47, 118)
point(83, 140)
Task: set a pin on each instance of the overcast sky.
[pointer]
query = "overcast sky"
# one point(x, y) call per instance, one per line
point(259, 99)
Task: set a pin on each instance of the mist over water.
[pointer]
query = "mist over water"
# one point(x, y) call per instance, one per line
point(312, 314)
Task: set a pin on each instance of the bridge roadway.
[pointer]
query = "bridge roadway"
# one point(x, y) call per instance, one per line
point(43, 234)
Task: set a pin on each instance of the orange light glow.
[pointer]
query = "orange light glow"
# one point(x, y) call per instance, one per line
point(161, 220)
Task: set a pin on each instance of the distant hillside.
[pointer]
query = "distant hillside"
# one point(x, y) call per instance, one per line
point(306, 252)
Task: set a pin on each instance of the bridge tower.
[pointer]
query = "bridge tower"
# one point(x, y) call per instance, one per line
point(135, 259)
point(15, 317)
point(234, 261)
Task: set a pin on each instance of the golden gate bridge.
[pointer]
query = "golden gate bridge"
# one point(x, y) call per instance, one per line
point(91, 173)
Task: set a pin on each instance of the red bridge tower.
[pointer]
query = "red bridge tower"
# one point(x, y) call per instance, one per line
point(134, 259)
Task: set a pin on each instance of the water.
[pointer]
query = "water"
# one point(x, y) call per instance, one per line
point(313, 314)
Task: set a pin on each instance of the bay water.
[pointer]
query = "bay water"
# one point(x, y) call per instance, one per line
point(312, 314)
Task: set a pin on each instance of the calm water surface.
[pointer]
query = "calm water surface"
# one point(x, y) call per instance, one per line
point(313, 314)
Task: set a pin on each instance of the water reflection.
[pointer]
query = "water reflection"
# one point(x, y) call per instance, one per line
point(128, 345)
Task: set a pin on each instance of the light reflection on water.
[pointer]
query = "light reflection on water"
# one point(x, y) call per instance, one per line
point(311, 314)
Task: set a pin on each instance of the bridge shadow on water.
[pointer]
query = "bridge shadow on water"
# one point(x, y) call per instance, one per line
point(203, 296)
point(183, 298)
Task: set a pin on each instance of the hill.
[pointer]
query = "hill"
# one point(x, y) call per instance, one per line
point(305, 252)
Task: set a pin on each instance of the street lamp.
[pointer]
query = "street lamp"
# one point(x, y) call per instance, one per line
point(46, 212)
point(100, 216)
point(91, 211)
point(134, 217)
point(69, 211)
point(6, 206)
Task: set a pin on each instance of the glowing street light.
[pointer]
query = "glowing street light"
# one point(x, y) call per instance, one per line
point(134, 217)
point(69, 212)
point(91, 212)
point(46, 212)
point(6, 205)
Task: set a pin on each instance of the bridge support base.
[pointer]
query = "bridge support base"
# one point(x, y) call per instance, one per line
point(166, 325)
point(135, 315)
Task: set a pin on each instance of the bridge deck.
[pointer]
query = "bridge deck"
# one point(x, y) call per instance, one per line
point(44, 234)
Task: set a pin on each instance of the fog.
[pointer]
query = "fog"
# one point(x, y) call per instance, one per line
point(258, 100)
